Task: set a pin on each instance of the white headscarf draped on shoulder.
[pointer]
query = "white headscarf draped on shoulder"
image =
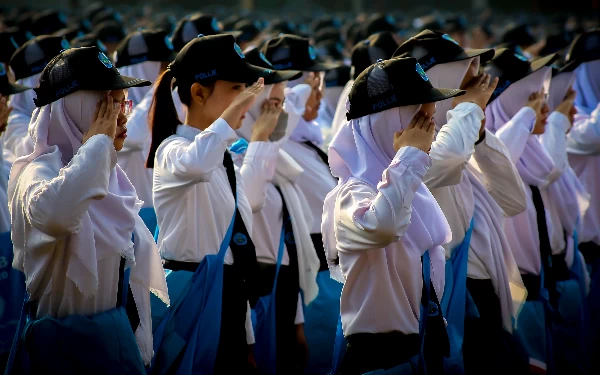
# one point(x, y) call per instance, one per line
point(363, 149)
point(287, 172)
point(107, 225)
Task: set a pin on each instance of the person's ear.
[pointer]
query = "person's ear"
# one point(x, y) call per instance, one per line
point(199, 93)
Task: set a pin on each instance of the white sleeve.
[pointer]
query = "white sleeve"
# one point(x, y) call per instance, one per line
point(454, 145)
point(188, 163)
point(257, 171)
point(138, 130)
point(514, 134)
point(16, 137)
point(554, 139)
point(584, 137)
point(500, 175)
point(299, 311)
point(368, 218)
point(250, 340)
point(56, 198)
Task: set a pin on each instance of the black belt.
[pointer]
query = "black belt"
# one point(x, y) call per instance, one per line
point(175, 265)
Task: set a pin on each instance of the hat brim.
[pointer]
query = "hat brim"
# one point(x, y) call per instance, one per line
point(282, 76)
point(121, 82)
point(14, 88)
point(321, 67)
point(570, 66)
point(542, 62)
point(246, 73)
point(485, 55)
point(235, 34)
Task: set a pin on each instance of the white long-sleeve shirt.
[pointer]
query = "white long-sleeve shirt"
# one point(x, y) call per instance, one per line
point(383, 285)
point(193, 201)
point(132, 157)
point(53, 201)
point(316, 181)
point(584, 137)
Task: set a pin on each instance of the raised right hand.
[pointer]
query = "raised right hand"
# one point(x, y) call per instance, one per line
point(566, 106)
point(266, 122)
point(242, 103)
point(479, 91)
point(105, 118)
point(419, 134)
point(536, 101)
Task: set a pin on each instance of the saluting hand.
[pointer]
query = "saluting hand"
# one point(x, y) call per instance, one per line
point(105, 118)
point(566, 107)
point(4, 112)
point(419, 134)
point(242, 103)
point(479, 91)
point(266, 122)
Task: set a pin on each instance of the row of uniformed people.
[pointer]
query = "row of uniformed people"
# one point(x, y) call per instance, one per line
point(452, 140)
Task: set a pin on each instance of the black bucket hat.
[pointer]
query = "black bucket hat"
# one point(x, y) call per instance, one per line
point(255, 57)
point(215, 57)
point(510, 67)
point(393, 83)
point(585, 48)
point(294, 52)
point(144, 45)
point(248, 30)
point(197, 24)
point(32, 57)
point(432, 48)
point(338, 77)
point(7, 87)
point(85, 68)
point(380, 46)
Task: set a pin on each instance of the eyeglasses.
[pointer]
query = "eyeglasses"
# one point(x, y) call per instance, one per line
point(126, 106)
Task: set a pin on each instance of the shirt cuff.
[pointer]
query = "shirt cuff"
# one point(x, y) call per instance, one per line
point(560, 120)
point(415, 158)
point(264, 153)
point(224, 131)
point(102, 141)
point(470, 107)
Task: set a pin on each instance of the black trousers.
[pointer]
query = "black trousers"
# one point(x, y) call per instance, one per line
point(232, 353)
point(286, 302)
point(375, 351)
point(487, 347)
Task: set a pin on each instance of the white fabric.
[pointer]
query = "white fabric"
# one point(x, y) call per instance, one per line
point(72, 223)
point(16, 137)
point(4, 212)
point(132, 157)
point(148, 70)
point(179, 106)
point(268, 218)
point(587, 86)
point(340, 111)
point(559, 86)
point(329, 105)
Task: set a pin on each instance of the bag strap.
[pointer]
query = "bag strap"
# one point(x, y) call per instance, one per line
point(545, 248)
point(240, 242)
point(287, 238)
point(320, 152)
point(425, 297)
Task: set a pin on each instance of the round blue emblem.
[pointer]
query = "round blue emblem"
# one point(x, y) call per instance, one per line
point(268, 71)
point(62, 17)
point(421, 72)
point(450, 39)
point(312, 53)
point(65, 44)
point(104, 60)
point(521, 57)
point(238, 50)
point(240, 239)
point(200, 35)
point(289, 238)
point(215, 25)
point(390, 19)
point(168, 43)
point(2, 70)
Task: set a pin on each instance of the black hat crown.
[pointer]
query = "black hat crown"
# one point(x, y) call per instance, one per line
point(294, 52)
point(145, 45)
point(380, 46)
point(585, 47)
point(32, 57)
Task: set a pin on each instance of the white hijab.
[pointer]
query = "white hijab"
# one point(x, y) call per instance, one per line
point(306, 130)
point(287, 172)
point(340, 111)
point(362, 149)
point(587, 86)
point(148, 70)
point(108, 224)
point(23, 102)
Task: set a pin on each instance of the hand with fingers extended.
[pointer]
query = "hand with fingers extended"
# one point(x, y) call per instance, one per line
point(4, 112)
point(536, 101)
point(567, 106)
point(105, 118)
point(479, 91)
point(240, 105)
point(266, 122)
point(419, 134)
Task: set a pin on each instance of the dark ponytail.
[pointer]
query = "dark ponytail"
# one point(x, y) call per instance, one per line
point(163, 119)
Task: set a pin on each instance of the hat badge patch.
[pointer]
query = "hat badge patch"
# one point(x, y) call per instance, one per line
point(168, 43)
point(450, 39)
point(312, 53)
point(520, 57)
point(65, 44)
point(2, 70)
point(215, 25)
point(238, 50)
point(421, 72)
point(104, 60)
